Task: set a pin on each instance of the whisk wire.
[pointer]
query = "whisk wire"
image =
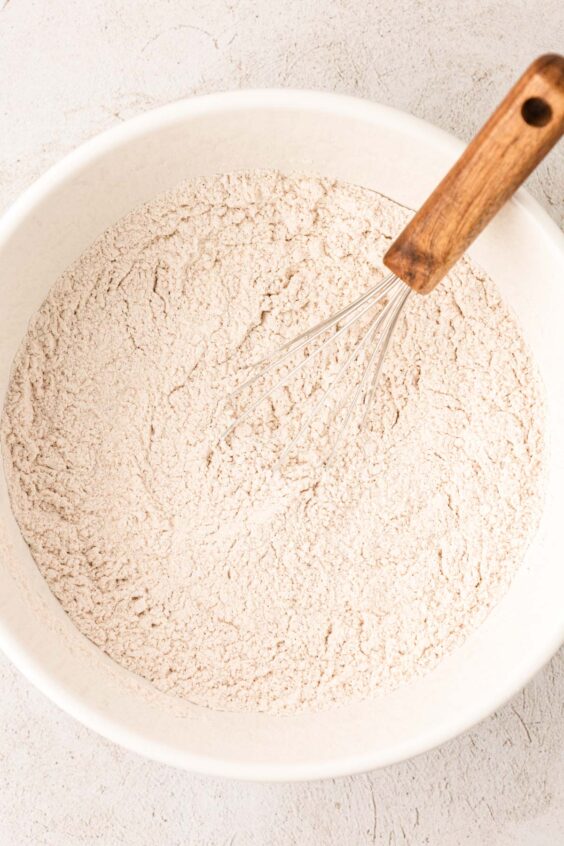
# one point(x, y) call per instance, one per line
point(389, 317)
point(292, 372)
point(288, 349)
point(378, 291)
point(372, 328)
point(384, 342)
point(394, 293)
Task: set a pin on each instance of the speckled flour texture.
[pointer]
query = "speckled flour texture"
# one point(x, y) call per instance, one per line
point(207, 567)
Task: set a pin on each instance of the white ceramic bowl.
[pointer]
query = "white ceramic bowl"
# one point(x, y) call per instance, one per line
point(373, 146)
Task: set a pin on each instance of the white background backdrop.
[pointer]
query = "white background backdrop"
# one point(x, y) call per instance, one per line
point(71, 69)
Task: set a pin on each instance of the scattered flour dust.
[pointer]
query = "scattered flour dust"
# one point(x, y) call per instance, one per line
point(207, 568)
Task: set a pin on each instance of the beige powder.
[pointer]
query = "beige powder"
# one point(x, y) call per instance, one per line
point(207, 568)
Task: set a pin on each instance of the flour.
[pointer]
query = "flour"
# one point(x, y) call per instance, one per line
point(202, 565)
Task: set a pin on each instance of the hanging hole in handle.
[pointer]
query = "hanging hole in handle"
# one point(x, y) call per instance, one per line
point(536, 111)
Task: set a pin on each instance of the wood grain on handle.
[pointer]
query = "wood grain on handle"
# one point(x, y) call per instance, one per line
point(518, 135)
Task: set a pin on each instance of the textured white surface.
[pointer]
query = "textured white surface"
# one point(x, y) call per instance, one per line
point(71, 70)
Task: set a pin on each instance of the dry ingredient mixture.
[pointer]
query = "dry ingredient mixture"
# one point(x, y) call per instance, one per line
point(204, 566)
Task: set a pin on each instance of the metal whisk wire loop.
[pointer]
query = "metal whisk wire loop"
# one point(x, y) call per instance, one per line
point(393, 293)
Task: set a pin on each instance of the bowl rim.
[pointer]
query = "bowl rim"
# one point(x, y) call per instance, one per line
point(22, 657)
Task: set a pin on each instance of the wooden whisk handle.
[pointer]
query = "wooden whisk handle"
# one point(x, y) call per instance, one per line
point(519, 134)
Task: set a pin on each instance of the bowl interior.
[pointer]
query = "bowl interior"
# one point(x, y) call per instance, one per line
point(365, 144)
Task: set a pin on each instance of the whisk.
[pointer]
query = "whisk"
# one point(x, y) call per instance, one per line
point(518, 135)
